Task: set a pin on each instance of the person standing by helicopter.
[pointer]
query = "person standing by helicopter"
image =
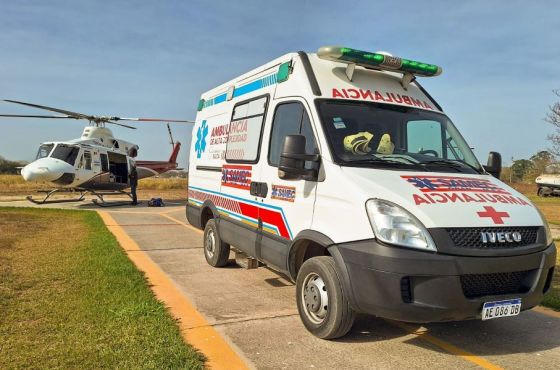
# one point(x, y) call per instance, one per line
point(133, 177)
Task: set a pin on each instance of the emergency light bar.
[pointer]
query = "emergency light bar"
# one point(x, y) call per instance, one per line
point(378, 61)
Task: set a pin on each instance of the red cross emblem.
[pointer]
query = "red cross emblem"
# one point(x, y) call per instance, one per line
point(493, 214)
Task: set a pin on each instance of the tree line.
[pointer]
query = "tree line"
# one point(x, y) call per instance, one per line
point(10, 167)
point(527, 170)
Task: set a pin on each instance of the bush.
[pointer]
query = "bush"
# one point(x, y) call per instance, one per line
point(7, 166)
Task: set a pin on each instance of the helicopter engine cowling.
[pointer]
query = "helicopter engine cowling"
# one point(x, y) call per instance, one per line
point(49, 170)
point(133, 151)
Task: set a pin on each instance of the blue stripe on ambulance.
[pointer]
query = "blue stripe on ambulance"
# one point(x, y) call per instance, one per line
point(263, 82)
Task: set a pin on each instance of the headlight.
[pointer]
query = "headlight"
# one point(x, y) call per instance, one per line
point(547, 232)
point(395, 225)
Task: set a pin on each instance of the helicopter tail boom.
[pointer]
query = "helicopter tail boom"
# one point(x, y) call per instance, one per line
point(175, 152)
point(161, 166)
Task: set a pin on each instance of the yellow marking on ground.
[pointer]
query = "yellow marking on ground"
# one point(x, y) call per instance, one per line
point(547, 311)
point(194, 327)
point(181, 223)
point(171, 209)
point(133, 212)
point(422, 333)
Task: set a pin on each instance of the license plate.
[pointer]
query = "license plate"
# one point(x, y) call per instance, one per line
point(493, 310)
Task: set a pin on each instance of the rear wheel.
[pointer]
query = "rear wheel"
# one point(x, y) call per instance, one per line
point(544, 191)
point(215, 250)
point(322, 306)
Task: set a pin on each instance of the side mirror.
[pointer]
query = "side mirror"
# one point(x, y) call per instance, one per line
point(293, 158)
point(494, 166)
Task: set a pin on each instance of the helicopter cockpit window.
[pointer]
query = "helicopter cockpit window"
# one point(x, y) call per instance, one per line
point(44, 150)
point(66, 153)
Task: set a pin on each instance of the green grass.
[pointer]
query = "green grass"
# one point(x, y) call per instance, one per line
point(70, 298)
point(162, 183)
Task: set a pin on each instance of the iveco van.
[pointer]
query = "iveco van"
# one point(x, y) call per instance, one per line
point(338, 169)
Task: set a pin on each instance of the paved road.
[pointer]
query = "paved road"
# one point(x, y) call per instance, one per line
point(255, 310)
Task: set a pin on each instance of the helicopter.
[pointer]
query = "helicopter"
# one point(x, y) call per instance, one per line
point(96, 163)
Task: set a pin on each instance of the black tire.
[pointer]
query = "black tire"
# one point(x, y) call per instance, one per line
point(545, 192)
point(215, 250)
point(336, 318)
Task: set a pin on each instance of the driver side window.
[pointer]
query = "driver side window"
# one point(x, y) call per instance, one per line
point(290, 119)
point(424, 137)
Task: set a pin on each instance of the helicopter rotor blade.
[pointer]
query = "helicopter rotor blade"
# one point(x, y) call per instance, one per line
point(96, 119)
point(34, 116)
point(61, 111)
point(120, 124)
point(150, 120)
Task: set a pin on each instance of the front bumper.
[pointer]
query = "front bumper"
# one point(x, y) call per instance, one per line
point(415, 286)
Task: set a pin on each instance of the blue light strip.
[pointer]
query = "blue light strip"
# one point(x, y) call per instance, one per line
point(266, 81)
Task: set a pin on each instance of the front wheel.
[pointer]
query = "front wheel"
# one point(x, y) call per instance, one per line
point(322, 306)
point(544, 191)
point(215, 250)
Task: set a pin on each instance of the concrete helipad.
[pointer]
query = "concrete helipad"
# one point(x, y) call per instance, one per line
point(255, 312)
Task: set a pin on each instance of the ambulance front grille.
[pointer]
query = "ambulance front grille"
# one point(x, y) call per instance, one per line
point(480, 285)
point(471, 237)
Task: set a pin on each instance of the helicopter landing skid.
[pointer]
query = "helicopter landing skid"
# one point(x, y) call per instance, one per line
point(103, 203)
point(46, 200)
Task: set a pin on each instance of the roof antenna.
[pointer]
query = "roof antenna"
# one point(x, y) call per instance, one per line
point(350, 71)
point(406, 79)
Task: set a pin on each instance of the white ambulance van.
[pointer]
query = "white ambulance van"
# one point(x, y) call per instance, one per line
point(338, 169)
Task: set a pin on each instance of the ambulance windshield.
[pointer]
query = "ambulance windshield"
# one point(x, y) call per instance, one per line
point(372, 134)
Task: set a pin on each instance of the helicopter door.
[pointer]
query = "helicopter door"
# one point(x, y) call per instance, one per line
point(118, 168)
point(84, 170)
point(104, 162)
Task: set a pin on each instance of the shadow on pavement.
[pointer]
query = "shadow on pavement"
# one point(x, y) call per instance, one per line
point(530, 332)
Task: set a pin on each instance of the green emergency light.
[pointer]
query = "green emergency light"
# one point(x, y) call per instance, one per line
point(378, 61)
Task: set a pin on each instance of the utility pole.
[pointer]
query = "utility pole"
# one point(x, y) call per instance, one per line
point(511, 171)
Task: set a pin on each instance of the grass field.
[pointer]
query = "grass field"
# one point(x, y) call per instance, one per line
point(14, 184)
point(161, 183)
point(550, 206)
point(13, 187)
point(70, 298)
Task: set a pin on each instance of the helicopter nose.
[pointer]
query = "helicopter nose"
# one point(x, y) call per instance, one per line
point(46, 170)
point(34, 173)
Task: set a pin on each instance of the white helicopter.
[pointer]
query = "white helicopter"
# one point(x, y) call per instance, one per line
point(96, 163)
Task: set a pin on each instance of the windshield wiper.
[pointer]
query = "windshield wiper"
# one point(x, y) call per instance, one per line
point(393, 158)
point(451, 163)
point(385, 162)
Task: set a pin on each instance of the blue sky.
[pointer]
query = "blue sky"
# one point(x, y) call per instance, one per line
point(501, 60)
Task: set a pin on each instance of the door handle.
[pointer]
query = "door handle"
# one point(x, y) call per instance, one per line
point(259, 189)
